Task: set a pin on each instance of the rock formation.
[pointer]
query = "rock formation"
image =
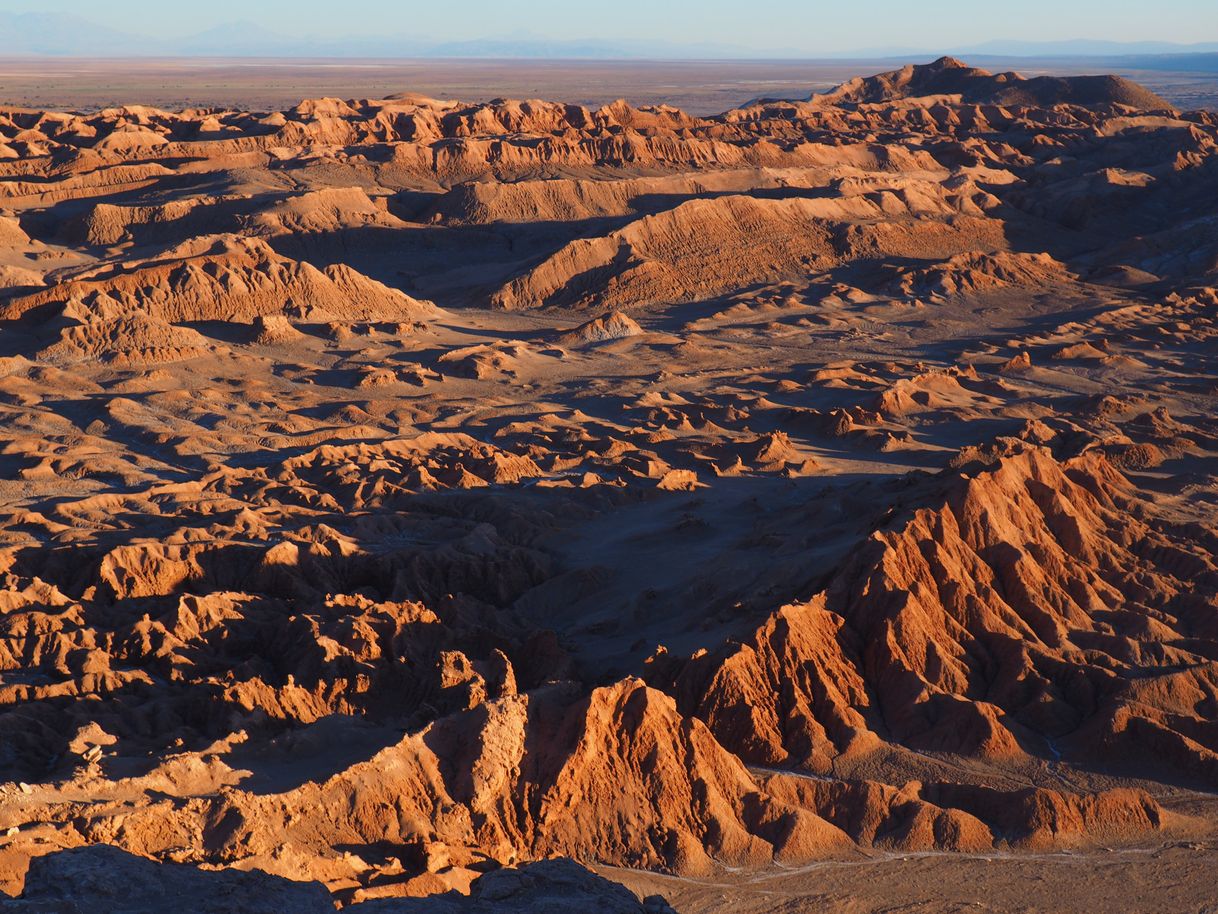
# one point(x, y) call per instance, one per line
point(410, 503)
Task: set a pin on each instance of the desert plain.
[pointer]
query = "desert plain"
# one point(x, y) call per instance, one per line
point(412, 504)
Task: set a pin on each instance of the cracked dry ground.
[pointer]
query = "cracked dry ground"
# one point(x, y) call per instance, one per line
point(804, 508)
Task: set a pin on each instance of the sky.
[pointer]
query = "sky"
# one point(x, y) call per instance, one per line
point(811, 25)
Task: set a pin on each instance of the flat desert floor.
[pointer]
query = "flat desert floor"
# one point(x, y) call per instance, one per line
point(699, 87)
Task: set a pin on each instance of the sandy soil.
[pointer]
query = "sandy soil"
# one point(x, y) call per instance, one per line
point(1143, 879)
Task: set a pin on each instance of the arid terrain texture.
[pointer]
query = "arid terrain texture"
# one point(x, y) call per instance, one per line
point(412, 505)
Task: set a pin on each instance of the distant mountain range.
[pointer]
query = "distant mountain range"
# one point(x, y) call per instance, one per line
point(54, 35)
point(57, 35)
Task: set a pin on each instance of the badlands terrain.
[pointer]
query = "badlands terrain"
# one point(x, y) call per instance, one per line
point(419, 505)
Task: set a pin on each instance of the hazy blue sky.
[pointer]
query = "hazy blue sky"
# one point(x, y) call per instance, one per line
point(805, 24)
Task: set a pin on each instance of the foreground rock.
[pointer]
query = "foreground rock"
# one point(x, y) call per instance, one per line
point(105, 878)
